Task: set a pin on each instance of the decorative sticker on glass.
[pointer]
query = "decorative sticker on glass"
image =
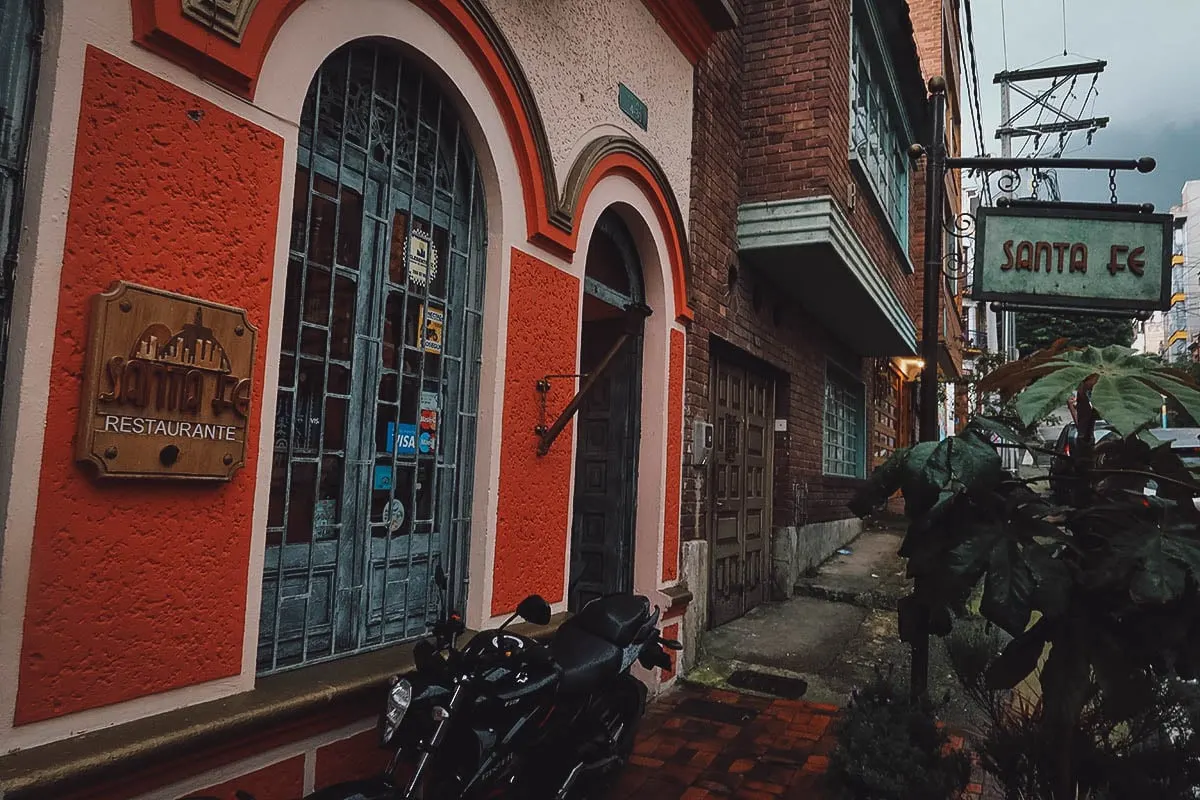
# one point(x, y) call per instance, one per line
point(432, 321)
point(384, 478)
point(393, 515)
point(421, 256)
point(325, 513)
point(401, 439)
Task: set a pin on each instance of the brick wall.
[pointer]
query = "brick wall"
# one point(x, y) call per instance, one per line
point(772, 116)
point(797, 123)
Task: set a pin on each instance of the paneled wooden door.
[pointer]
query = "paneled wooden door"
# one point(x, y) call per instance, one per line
point(743, 407)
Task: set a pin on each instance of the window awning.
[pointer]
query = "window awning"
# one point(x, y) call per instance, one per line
point(807, 247)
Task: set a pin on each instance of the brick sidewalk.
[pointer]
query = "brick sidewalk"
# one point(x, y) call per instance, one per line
point(707, 743)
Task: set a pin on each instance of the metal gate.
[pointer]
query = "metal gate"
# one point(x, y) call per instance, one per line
point(743, 406)
point(379, 371)
point(21, 25)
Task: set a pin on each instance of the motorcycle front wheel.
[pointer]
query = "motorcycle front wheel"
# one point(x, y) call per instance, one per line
point(625, 705)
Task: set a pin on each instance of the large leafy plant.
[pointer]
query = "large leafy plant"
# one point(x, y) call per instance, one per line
point(1100, 593)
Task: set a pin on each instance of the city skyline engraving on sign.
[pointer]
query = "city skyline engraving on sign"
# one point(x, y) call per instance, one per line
point(166, 386)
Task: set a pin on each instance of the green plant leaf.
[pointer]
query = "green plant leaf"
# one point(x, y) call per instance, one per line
point(1050, 392)
point(1183, 550)
point(1127, 386)
point(882, 484)
point(1168, 383)
point(1008, 593)
point(969, 557)
point(1052, 580)
point(1125, 402)
point(1158, 580)
point(1019, 659)
point(987, 425)
point(921, 488)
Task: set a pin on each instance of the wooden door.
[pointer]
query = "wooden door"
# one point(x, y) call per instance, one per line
point(605, 469)
point(743, 406)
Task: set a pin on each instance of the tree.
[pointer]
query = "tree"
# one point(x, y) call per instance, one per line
point(1099, 586)
point(1039, 331)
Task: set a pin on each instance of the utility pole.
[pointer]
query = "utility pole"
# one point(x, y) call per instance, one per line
point(1013, 125)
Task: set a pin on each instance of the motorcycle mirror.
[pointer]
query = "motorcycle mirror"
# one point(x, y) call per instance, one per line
point(424, 655)
point(534, 609)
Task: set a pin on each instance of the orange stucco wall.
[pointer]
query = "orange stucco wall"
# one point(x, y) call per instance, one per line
point(534, 501)
point(355, 758)
point(137, 587)
point(670, 569)
point(281, 781)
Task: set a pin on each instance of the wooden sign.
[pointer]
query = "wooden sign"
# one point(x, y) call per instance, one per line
point(166, 386)
point(1057, 255)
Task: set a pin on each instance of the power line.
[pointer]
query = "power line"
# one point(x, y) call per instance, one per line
point(973, 87)
point(1003, 31)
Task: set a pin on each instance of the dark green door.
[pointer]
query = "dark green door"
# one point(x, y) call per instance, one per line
point(608, 423)
point(605, 468)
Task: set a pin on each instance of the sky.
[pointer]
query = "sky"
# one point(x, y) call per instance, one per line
point(1150, 88)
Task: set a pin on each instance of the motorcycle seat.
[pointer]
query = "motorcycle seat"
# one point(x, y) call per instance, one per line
point(584, 659)
point(616, 619)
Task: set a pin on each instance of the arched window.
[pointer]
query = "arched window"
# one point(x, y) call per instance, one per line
point(614, 269)
point(20, 45)
point(379, 371)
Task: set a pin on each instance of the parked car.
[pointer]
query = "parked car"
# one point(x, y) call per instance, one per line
point(1060, 461)
point(1185, 442)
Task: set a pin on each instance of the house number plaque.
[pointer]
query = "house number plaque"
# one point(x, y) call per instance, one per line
point(166, 386)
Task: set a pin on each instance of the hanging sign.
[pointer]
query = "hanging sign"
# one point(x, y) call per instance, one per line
point(166, 386)
point(1058, 255)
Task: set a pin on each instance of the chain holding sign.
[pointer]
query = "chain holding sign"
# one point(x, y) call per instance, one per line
point(166, 386)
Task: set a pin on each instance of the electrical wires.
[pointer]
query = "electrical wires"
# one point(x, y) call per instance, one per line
point(973, 89)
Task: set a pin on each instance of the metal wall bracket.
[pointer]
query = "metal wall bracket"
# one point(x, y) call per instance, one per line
point(635, 316)
point(543, 389)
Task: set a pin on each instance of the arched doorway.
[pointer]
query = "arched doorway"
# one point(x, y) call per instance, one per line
point(609, 420)
point(379, 370)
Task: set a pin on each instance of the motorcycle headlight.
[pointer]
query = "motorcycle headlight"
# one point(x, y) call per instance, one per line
point(399, 699)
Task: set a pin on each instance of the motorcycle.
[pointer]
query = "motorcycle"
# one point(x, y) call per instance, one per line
point(506, 716)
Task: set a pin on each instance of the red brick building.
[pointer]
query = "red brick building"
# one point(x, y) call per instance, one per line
point(806, 226)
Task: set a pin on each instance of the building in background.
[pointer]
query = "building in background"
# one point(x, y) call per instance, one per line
point(429, 216)
point(1181, 323)
point(1149, 337)
point(807, 223)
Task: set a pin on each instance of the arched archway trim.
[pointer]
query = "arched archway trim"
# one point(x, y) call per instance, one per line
point(214, 52)
point(618, 155)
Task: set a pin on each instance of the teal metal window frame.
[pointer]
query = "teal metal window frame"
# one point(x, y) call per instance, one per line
point(843, 425)
point(880, 132)
point(374, 443)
